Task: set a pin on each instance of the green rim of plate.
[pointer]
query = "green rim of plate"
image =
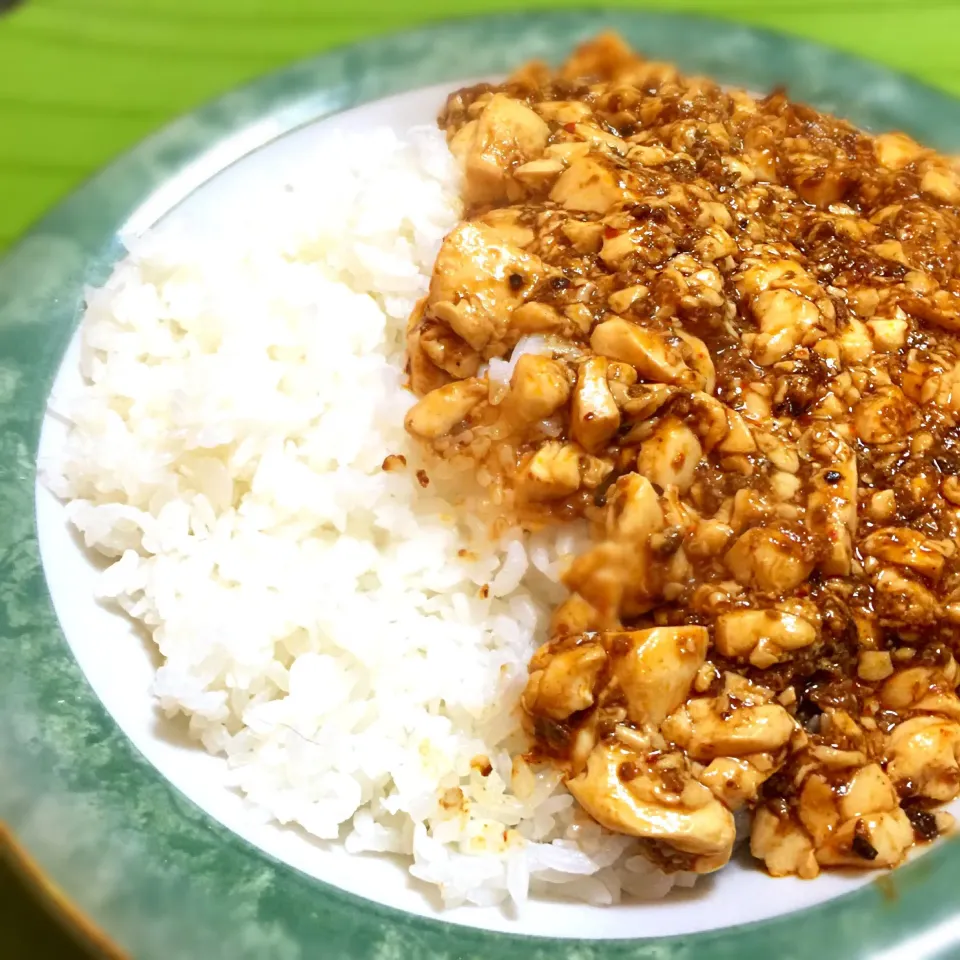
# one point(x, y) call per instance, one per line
point(145, 865)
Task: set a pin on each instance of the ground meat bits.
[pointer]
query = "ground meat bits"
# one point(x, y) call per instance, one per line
point(732, 325)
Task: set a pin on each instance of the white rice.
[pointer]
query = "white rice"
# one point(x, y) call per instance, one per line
point(320, 620)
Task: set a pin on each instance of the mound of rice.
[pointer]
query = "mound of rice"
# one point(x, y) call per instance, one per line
point(346, 637)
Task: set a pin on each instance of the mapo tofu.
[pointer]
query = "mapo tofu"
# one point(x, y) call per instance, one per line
point(732, 331)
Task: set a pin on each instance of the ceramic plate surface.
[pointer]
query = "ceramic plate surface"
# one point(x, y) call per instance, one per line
point(129, 820)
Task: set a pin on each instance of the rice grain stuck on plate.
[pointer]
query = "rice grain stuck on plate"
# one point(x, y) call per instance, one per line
point(353, 645)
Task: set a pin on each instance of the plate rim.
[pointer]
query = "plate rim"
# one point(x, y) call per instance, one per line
point(41, 287)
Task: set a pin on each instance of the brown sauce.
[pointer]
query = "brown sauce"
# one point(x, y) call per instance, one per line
point(741, 320)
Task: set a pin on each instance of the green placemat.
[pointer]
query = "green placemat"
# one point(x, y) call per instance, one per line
point(82, 80)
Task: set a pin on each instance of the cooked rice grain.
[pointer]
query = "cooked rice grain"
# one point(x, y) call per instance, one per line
point(322, 621)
